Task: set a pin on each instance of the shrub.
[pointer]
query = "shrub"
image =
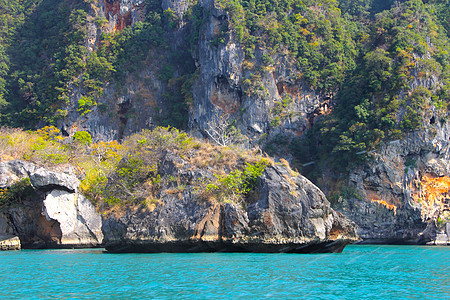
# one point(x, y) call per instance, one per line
point(128, 174)
point(16, 193)
point(235, 186)
point(82, 137)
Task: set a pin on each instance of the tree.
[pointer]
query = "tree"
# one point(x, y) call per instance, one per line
point(222, 132)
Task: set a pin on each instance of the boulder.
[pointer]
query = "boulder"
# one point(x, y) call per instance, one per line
point(54, 214)
point(43, 178)
point(40, 178)
point(12, 171)
point(9, 242)
point(286, 213)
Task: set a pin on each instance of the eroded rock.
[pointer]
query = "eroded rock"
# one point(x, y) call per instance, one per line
point(9, 242)
point(79, 222)
point(404, 190)
point(286, 213)
point(53, 214)
point(40, 178)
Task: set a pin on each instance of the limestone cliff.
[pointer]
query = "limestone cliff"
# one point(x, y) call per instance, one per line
point(403, 191)
point(262, 103)
point(286, 213)
point(264, 100)
point(112, 116)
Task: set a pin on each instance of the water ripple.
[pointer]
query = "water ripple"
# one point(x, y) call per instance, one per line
point(361, 271)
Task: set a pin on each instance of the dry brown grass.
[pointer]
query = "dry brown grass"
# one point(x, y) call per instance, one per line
point(117, 177)
point(222, 160)
point(14, 143)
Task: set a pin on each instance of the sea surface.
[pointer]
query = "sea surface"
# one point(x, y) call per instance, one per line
point(360, 272)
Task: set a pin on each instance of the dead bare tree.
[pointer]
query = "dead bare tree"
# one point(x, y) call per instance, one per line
point(219, 131)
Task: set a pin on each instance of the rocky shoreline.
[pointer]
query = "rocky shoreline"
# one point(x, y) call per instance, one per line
point(9, 242)
point(223, 246)
point(286, 213)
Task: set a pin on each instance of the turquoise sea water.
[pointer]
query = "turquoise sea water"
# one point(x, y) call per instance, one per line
point(360, 272)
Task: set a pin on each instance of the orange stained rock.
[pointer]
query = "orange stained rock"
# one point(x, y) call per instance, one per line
point(432, 189)
point(387, 205)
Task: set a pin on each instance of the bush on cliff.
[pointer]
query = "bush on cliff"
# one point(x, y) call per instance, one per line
point(315, 34)
point(16, 193)
point(235, 186)
point(139, 179)
point(130, 174)
point(387, 95)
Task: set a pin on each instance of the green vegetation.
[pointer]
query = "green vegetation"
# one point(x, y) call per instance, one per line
point(372, 56)
point(314, 33)
point(18, 192)
point(123, 53)
point(42, 50)
point(365, 52)
point(82, 137)
point(43, 58)
point(133, 173)
point(410, 163)
point(376, 103)
point(236, 185)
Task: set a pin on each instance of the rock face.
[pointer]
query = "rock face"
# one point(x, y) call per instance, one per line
point(219, 88)
point(52, 213)
point(286, 213)
point(142, 92)
point(9, 242)
point(80, 224)
point(404, 191)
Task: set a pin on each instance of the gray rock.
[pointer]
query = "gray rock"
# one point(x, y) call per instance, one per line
point(40, 178)
point(292, 209)
point(43, 178)
point(404, 190)
point(54, 215)
point(219, 89)
point(5, 225)
point(286, 213)
point(14, 170)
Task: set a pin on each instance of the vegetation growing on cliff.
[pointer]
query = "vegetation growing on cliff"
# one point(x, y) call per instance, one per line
point(384, 97)
point(313, 32)
point(385, 63)
point(44, 59)
point(16, 193)
point(138, 170)
point(42, 50)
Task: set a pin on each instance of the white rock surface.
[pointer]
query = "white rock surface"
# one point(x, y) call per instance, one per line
point(9, 242)
point(79, 222)
point(42, 178)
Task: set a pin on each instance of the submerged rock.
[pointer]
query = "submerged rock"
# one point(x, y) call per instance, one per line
point(286, 213)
